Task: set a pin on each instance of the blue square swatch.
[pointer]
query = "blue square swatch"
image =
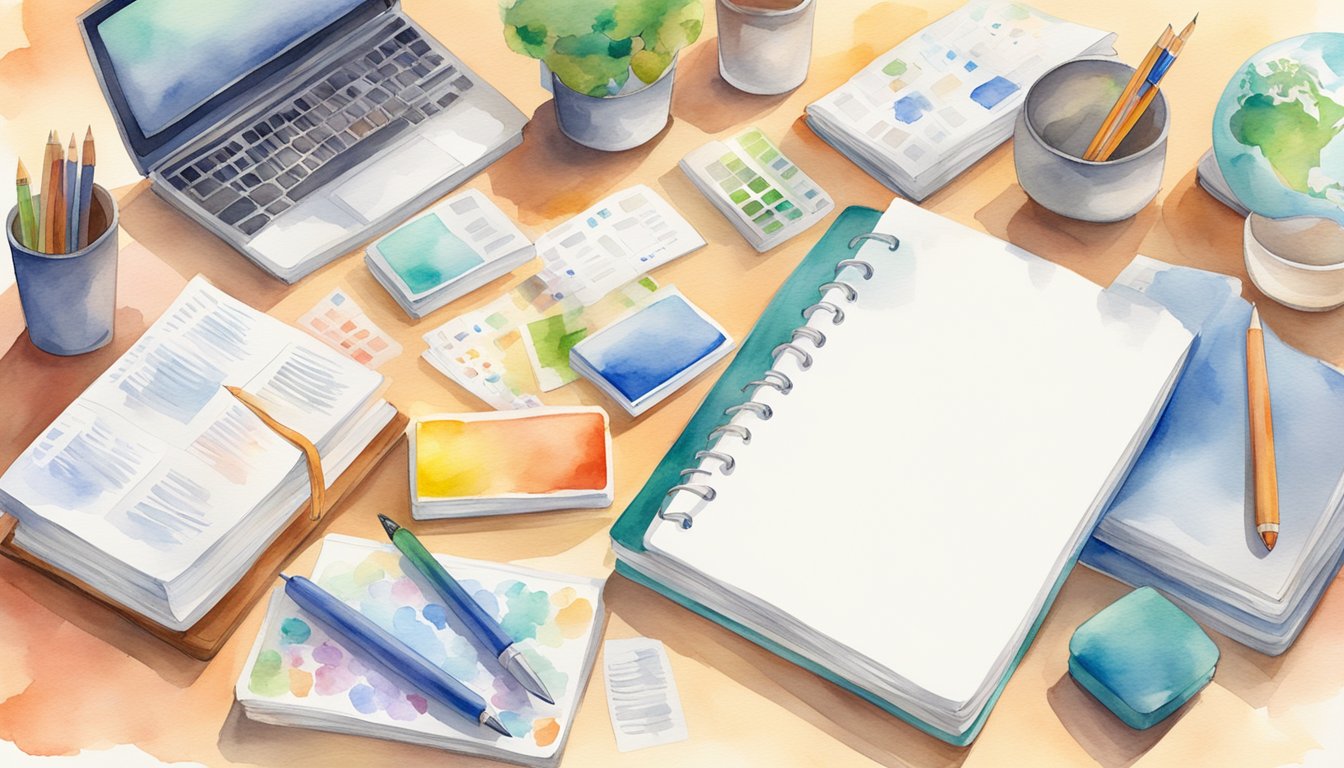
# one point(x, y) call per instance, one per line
point(644, 351)
point(426, 254)
point(990, 93)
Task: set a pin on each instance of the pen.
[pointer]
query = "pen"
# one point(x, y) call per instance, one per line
point(1262, 434)
point(481, 624)
point(368, 637)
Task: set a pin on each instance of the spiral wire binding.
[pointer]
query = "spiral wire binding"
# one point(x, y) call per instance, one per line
point(777, 380)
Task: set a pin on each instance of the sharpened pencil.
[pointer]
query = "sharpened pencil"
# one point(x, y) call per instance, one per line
point(27, 217)
point(1132, 87)
point(1148, 91)
point(87, 162)
point(46, 200)
point(1262, 434)
point(71, 197)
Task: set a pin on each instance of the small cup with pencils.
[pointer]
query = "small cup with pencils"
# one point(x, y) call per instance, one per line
point(63, 240)
point(1091, 139)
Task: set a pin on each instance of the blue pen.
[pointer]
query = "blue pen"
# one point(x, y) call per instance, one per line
point(359, 631)
point(481, 624)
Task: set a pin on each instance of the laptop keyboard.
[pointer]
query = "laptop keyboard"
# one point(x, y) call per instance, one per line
point(392, 83)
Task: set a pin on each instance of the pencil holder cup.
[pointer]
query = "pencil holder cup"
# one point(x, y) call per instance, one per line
point(765, 46)
point(70, 299)
point(1060, 115)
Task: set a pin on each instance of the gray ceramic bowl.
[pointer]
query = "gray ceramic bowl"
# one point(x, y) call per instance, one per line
point(1059, 117)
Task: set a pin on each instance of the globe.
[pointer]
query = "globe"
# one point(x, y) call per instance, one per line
point(1278, 130)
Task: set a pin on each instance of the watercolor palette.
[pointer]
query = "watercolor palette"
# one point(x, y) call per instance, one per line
point(651, 352)
point(926, 110)
point(298, 674)
point(765, 196)
point(450, 251)
point(340, 322)
point(484, 350)
point(464, 465)
point(612, 243)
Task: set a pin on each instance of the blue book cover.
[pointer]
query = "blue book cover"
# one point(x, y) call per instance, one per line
point(1184, 520)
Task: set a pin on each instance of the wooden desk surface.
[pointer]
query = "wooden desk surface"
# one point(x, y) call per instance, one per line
point(72, 676)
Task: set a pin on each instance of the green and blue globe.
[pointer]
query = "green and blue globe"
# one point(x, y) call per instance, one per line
point(1278, 131)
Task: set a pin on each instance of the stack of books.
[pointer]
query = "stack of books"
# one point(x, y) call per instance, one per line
point(929, 108)
point(1183, 521)
point(157, 487)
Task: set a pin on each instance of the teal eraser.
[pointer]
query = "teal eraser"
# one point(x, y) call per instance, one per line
point(1142, 657)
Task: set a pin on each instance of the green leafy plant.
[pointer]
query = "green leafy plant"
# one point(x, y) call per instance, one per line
point(594, 46)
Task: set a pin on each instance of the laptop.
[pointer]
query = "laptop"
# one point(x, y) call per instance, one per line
point(293, 129)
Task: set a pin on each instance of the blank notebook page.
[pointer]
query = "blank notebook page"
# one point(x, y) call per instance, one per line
point(915, 494)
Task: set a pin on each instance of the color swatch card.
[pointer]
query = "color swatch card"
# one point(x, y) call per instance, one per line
point(299, 674)
point(651, 352)
point(929, 108)
point(612, 243)
point(484, 350)
point(641, 694)
point(549, 340)
point(340, 322)
point(767, 198)
point(463, 465)
point(450, 251)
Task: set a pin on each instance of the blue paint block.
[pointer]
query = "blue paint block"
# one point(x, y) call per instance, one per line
point(990, 93)
point(639, 357)
point(911, 107)
point(1142, 657)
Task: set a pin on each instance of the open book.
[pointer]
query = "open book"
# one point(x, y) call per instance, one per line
point(160, 489)
point(928, 109)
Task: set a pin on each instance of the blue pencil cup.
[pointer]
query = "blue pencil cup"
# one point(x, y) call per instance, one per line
point(70, 299)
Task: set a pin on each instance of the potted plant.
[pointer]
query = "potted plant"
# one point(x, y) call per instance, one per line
point(611, 63)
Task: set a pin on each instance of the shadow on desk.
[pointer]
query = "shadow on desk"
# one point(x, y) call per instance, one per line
point(868, 730)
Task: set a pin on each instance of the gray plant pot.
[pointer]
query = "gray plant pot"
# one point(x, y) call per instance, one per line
point(617, 122)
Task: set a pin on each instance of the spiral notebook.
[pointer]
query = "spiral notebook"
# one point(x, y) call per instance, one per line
point(932, 423)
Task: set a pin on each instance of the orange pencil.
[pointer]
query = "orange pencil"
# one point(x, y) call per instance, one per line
point(47, 210)
point(1132, 118)
point(1126, 95)
point(1262, 434)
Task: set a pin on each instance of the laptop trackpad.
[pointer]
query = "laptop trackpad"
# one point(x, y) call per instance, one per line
point(393, 179)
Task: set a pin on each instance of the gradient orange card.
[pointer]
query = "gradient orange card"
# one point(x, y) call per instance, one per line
point(535, 452)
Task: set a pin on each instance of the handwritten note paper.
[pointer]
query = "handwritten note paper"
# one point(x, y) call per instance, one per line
point(641, 694)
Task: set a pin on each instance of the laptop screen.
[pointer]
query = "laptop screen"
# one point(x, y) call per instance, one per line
point(171, 56)
point(172, 68)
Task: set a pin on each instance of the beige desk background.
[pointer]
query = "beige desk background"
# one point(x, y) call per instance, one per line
point(73, 676)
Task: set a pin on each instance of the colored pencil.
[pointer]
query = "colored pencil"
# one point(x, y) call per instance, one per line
point(1262, 434)
point(71, 197)
point(58, 209)
point(1149, 90)
point(87, 163)
point(1113, 117)
point(44, 219)
point(27, 218)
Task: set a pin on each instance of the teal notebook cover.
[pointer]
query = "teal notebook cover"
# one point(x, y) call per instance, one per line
point(775, 325)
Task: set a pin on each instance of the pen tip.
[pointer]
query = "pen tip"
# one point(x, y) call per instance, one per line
point(388, 525)
point(489, 720)
point(284, 576)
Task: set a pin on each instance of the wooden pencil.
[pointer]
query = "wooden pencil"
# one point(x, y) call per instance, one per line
point(87, 162)
point(1132, 118)
point(71, 197)
point(1262, 434)
point(47, 210)
point(27, 218)
point(1132, 87)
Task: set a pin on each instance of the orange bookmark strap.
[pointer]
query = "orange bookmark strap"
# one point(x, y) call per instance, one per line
point(316, 481)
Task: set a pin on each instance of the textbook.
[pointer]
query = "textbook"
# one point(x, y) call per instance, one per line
point(159, 489)
point(931, 107)
point(892, 479)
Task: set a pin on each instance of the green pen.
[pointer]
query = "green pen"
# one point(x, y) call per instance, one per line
point(481, 624)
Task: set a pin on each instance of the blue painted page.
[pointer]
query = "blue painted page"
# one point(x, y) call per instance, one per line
point(648, 349)
point(1186, 510)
